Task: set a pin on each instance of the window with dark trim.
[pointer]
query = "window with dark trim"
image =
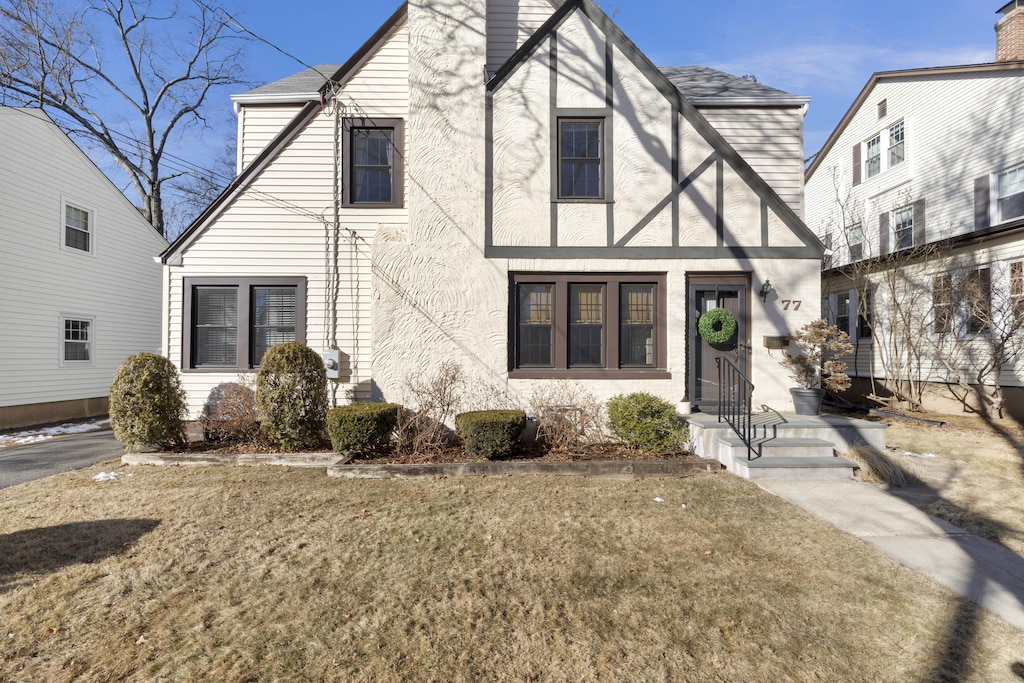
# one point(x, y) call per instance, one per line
point(581, 158)
point(230, 323)
point(588, 325)
point(372, 162)
point(77, 232)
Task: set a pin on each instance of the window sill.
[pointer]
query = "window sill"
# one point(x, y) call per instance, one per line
point(372, 205)
point(589, 373)
point(582, 200)
point(233, 369)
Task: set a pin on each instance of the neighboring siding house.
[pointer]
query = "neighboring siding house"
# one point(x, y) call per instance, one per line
point(919, 196)
point(81, 288)
point(512, 186)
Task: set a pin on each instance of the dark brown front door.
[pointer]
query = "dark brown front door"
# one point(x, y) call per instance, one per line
point(705, 293)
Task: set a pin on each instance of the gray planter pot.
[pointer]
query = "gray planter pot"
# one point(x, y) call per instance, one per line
point(807, 401)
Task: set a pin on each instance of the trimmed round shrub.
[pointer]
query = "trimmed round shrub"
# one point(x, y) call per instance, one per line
point(490, 433)
point(147, 404)
point(291, 396)
point(646, 422)
point(230, 413)
point(360, 427)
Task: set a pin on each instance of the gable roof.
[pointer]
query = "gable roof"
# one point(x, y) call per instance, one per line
point(925, 73)
point(304, 115)
point(706, 86)
point(660, 80)
point(727, 86)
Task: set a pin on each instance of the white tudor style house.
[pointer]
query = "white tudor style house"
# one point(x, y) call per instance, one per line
point(919, 196)
point(81, 290)
point(512, 186)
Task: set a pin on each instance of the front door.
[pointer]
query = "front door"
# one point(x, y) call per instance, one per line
point(706, 293)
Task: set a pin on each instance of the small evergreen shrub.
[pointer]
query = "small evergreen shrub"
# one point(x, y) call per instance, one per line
point(291, 396)
point(490, 433)
point(646, 422)
point(147, 404)
point(360, 427)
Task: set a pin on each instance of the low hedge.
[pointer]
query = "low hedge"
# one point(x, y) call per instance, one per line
point(490, 433)
point(360, 427)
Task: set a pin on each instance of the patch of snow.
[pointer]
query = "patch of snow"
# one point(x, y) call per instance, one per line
point(659, 500)
point(37, 435)
point(107, 476)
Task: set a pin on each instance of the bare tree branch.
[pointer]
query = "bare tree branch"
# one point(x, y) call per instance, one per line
point(134, 101)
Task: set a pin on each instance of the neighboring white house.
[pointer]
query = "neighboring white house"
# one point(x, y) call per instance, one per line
point(512, 186)
point(919, 196)
point(81, 290)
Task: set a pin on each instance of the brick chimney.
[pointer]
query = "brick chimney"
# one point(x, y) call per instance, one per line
point(1010, 32)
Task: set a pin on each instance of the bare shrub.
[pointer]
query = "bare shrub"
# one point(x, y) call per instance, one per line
point(876, 466)
point(230, 411)
point(569, 415)
point(432, 399)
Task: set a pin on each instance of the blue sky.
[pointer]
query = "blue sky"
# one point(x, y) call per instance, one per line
point(824, 50)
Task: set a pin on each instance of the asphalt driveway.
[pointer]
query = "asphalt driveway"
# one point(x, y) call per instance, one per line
point(34, 461)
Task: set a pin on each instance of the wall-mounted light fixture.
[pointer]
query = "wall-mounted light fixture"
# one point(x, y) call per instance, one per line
point(766, 289)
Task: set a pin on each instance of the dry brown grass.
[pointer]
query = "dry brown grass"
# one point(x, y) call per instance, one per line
point(252, 574)
point(880, 468)
point(987, 497)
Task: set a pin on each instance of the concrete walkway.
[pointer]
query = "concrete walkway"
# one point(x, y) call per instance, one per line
point(974, 567)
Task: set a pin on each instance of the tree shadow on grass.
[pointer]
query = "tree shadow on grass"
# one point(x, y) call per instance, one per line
point(992, 567)
point(47, 549)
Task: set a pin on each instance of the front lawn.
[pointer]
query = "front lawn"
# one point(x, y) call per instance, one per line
point(266, 573)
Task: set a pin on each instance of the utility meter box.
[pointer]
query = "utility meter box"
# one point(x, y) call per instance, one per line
point(332, 361)
point(776, 342)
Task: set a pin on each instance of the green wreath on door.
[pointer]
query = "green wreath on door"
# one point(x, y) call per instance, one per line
point(717, 326)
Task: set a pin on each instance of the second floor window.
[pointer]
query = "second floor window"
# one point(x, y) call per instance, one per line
point(372, 164)
point(903, 227)
point(580, 159)
point(896, 150)
point(873, 157)
point(855, 234)
point(1017, 290)
point(76, 228)
point(1010, 189)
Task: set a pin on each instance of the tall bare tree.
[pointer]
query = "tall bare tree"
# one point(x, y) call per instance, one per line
point(132, 76)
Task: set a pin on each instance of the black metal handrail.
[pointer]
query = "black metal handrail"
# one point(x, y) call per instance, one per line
point(735, 401)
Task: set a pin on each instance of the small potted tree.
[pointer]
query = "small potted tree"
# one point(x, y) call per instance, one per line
point(817, 364)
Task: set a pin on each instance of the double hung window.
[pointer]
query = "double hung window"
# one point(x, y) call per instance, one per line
point(1010, 194)
point(77, 340)
point(77, 234)
point(581, 159)
point(372, 164)
point(903, 227)
point(231, 323)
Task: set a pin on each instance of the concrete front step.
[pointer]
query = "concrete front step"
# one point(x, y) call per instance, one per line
point(782, 467)
point(773, 447)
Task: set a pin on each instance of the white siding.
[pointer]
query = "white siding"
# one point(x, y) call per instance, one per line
point(771, 141)
point(258, 125)
point(958, 127)
point(117, 285)
point(281, 226)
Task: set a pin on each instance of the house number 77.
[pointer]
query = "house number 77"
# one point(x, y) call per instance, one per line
point(795, 303)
